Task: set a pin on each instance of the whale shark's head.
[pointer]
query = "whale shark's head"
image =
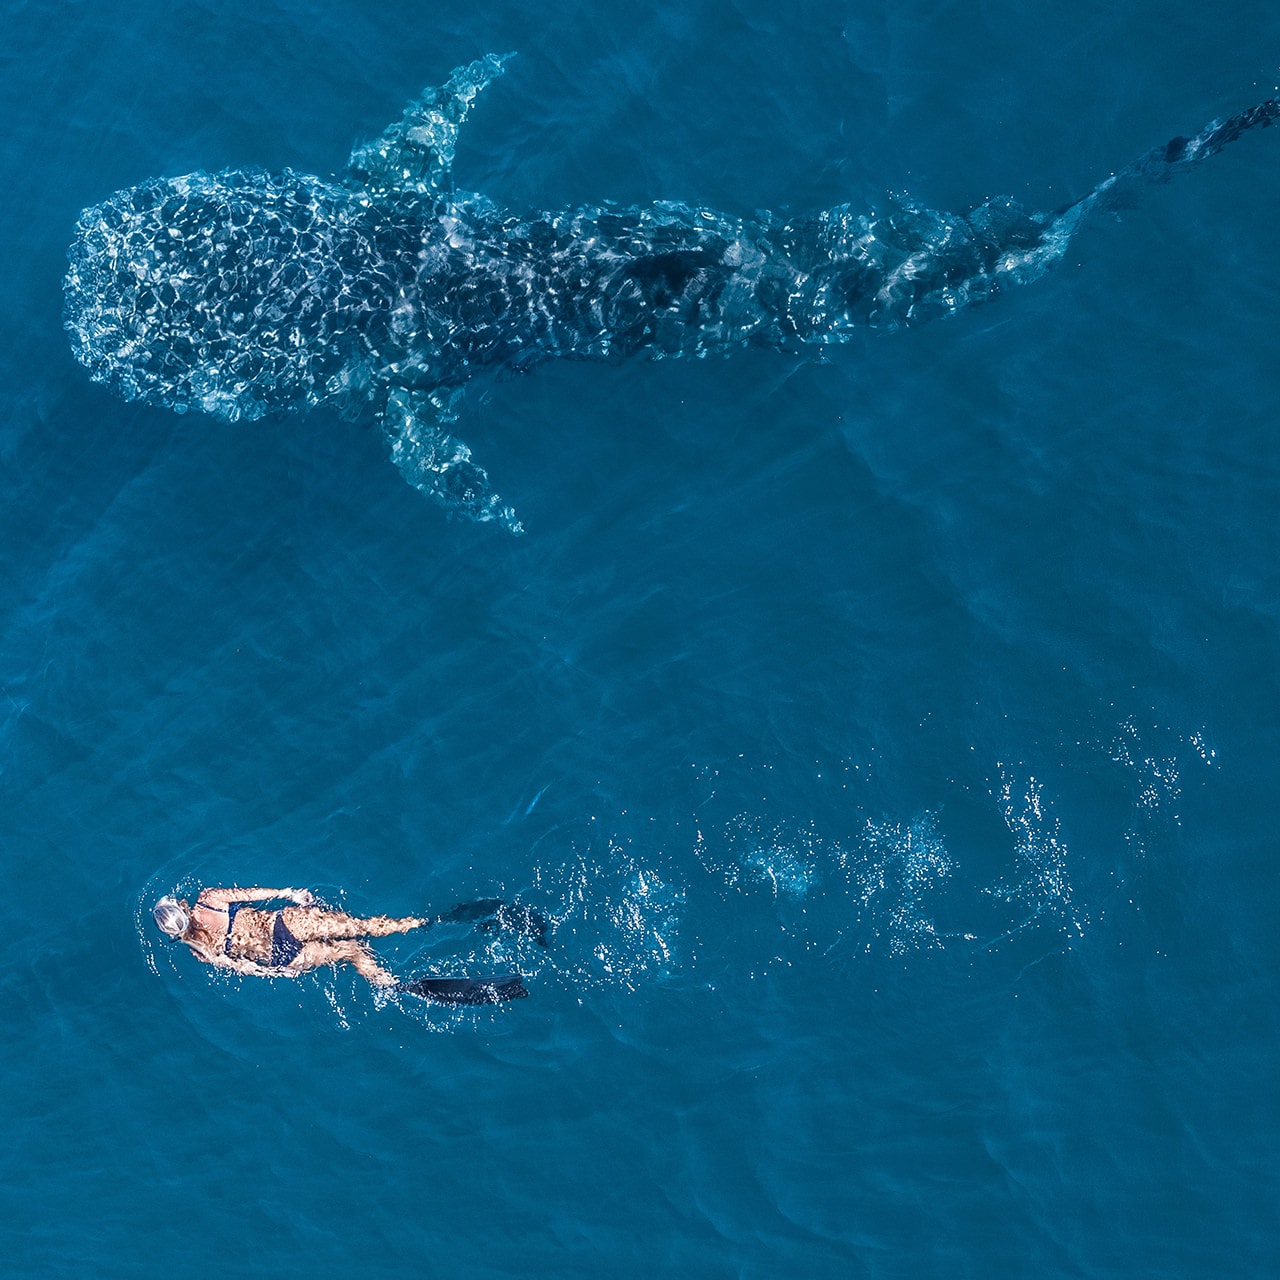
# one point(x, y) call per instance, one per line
point(234, 293)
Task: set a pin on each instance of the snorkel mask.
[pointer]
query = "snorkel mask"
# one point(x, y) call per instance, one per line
point(171, 916)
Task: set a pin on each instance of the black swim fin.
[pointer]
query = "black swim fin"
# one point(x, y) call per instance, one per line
point(470, 912)
point(466, 990)
point(488, 914)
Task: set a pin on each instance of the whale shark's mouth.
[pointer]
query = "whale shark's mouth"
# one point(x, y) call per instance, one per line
point(230, 294)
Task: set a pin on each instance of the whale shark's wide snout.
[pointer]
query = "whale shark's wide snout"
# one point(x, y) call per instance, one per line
point(208, 292)
point(135, 297)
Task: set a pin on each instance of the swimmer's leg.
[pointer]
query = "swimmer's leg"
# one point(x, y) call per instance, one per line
point(317, 924)
point(316, 954)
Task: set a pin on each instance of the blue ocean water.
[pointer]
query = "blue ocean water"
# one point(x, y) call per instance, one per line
point(890, 738)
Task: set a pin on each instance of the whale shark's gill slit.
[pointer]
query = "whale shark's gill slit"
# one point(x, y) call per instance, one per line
point(242, 293)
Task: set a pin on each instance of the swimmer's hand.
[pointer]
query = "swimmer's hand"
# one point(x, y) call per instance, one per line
point(303, 897)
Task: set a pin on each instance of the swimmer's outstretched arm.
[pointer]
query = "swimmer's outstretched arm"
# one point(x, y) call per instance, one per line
point(220, 899)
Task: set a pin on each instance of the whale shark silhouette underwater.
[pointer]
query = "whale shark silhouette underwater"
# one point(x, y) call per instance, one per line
point(244, 292)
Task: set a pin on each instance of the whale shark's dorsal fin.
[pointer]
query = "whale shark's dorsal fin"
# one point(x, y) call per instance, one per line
point(414, 156)
point(439, 464)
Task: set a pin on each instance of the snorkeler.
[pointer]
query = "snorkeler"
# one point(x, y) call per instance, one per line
point(223, 930)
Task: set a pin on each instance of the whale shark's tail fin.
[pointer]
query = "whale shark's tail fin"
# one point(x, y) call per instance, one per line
point(909, 264)
point(1161, 163)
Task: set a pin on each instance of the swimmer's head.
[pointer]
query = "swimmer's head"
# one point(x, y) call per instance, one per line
point(171, 915)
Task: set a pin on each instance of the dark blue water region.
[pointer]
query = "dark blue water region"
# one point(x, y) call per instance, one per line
point(888, 737)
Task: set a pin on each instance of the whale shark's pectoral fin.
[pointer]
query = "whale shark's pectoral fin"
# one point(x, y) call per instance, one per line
point(415, 155)
point(440, 465)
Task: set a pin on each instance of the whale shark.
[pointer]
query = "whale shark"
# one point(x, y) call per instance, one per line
point(384, 291)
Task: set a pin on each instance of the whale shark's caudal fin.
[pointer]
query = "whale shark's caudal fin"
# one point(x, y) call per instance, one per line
point(440, 465)
point(414, 156)
point(1012, 246)
point(1161, 163)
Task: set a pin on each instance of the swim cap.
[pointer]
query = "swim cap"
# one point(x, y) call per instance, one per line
point(171, 917)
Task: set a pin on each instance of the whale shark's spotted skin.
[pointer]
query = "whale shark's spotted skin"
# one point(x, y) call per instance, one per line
point(243, 293)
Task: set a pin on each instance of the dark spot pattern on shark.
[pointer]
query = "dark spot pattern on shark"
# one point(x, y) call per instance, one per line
point(243, 293)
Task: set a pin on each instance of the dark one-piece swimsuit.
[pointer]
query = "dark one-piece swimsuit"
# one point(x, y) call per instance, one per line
point(285, 948)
